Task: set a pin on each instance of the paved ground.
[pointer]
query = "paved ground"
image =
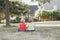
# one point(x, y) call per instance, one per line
point(11, 33)
point(40, 33)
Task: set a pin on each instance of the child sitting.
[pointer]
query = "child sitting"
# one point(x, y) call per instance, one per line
point(22, 26)
point(30, 26)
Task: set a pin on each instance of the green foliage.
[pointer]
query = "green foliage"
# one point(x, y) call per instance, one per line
point(48, 1)
point(45, 13)
point(35, 20)
point(53, 15)
point(56, 13)
point(15, 7)
point(50, 13)
point(2, 5)
point(18, 8)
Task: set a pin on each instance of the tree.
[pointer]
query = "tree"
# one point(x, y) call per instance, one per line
point(12, 7)
point(7, 12)
point(41, 2)
point(18, 8)
point(2, 5)
point(41, 7)
point(1, 8)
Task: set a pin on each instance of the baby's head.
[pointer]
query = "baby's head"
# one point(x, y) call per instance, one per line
point(30, 21)
point(21, 21)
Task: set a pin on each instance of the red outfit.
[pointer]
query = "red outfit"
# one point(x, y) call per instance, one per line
point(22, 26)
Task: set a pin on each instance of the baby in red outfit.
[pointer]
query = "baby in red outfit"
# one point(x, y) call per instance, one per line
point(22, 26)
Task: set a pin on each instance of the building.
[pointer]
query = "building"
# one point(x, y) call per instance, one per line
point(33, 8)
point(53, 5)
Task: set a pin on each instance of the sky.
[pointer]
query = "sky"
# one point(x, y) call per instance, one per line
point(29, 2)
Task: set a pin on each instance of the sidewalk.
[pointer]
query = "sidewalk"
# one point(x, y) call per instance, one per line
point(41, 24)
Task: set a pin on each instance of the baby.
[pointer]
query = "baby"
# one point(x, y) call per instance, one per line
point(22, 26)
point(30, 26)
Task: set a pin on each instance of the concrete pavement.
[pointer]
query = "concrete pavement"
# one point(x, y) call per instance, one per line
point(41, 34)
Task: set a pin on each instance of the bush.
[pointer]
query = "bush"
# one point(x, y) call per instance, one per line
point(52, 14)
point(35, 20)
point(56, 14)
point(17, 20)
point(46, 13)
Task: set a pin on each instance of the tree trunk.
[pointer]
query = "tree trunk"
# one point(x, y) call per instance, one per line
point(7, 12)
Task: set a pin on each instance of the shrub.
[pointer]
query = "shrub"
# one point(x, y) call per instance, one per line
point(35, 20)
point(50, 14)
